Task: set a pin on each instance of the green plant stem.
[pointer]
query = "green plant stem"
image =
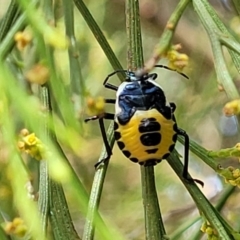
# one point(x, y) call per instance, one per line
point(77, 81)
point(60, 219)
point(44, 189)
point(96, 191)
point(8, 41)
point(202, 153)
point(3, 235)
point(224, 230)
point(99, 37)
point(154, 226)
point(8, 19)
point(134, 44)
point(166, 38)
point(230, 43)
point(236, 4)
point(227, 192)
point(78, 88)
point(26, 207)
point(214, 28)
point(223, 197)
point(52, 202)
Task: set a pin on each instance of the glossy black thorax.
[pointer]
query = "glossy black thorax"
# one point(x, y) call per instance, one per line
point(141, 95)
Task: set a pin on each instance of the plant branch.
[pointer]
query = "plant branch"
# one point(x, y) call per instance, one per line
point(166, 38)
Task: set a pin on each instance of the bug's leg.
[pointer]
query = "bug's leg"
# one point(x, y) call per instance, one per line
point(110, 100)
point(186, 158)
point(105, 140)
point(172, 106)
point(104, 115)
point(109, 85)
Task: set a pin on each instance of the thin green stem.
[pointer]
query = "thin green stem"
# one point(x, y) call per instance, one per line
point(230, 43)
point(8, 41)
point(202, 8)
point(8, 20)
point(236, 4)
point(154, 226)
point(96, 191)
point(99, 36)
point(134, 51)
point(223, 197)
point(204, 206)
point(166, 38)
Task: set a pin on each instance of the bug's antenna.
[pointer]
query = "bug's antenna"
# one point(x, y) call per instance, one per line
point(163, 66)
point(111, 86)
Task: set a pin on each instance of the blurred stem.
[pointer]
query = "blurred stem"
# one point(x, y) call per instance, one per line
point(227, 192)
point(96, 191)
point(99, 37)
point(9, 19)
point(202, 153)
point(52, 200)
point(230, 43)
point(236, 4)
point(134, 44)
point(166, 38)
point(8, 41)
point(214, 28)
point(154, 227)
point(78, 88)
point(77, 81)
point(3, 235)
point(223, 197)
point(28, 210)
point(224, 31)
point(224, 230)
point(44, 185)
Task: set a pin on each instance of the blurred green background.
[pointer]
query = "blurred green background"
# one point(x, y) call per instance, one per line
point(199, 112)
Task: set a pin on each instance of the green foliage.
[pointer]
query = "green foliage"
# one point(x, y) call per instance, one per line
point(54, 56)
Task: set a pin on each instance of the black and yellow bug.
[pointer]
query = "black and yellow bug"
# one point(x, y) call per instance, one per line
point(144, 124)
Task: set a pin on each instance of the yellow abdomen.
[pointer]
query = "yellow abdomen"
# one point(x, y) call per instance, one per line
point(147, 138)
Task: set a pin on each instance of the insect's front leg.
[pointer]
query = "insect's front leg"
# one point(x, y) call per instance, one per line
point(100, 118)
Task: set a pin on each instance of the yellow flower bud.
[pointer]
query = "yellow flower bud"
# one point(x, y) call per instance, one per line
point(22, 39)
point(38, 74)
point(232, 108)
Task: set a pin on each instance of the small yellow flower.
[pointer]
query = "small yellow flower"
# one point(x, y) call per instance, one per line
point(22, 39)
point(211, 232)
point(16, 227)
point(38, 74)
point(231, 176)
point(177, 60)
point(232, 108)
point(24, 132)
point(33, 146)
point(56, 38)
point(30, 139)
point(95, 106)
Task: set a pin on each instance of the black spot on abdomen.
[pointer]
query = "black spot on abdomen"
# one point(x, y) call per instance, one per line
point(150, 139)
point(149, 125)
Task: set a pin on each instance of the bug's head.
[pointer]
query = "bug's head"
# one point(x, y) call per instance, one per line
point(133, 77)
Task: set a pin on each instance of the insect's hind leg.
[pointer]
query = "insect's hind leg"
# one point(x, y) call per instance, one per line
point(186, 158)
